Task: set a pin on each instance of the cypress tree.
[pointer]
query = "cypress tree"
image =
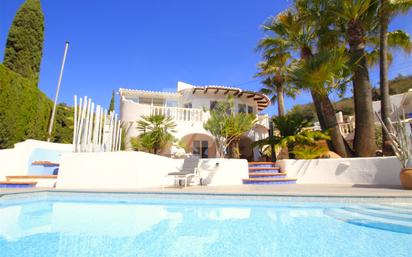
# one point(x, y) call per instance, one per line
point(111, 107)
point(24, 47)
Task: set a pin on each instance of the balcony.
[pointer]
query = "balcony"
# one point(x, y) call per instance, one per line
point(179, 114)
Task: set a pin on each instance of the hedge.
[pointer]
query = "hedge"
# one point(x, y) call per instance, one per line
point(24, 109)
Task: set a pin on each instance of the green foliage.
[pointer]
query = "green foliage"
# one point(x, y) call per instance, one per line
point(156, 133)
point(24, 109)
point(398, 85)
point(111, 106)
point(24, 45)
point(305, 112)
point(346, 106)
point(63, 124)
point(227, 127)
point(324, 68)
point(291, 134)
point(309, 151)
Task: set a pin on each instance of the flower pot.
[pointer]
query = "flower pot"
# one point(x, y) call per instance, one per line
point(406, 178)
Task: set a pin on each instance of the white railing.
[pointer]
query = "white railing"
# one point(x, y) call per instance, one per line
point(346, 129)
point(179, 114)
point(262, 120)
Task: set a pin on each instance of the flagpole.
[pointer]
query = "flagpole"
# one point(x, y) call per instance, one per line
point(57, 93)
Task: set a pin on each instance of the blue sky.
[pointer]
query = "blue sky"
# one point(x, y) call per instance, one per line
point(153, 44)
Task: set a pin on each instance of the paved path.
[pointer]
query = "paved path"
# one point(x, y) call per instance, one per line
point(253, 190)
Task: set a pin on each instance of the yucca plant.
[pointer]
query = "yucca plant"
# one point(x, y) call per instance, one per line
point(401, 141)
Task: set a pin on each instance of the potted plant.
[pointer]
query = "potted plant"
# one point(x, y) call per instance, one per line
point(401, 144)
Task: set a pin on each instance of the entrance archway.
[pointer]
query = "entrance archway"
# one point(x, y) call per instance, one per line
point(200, 144)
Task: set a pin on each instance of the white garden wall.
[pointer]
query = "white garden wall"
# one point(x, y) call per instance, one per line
point(15, 161)
point(133, 170)
point(371, 171)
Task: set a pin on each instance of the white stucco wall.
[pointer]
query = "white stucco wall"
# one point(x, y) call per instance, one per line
point(133, 170)
point(372, 171)
point(14, 162)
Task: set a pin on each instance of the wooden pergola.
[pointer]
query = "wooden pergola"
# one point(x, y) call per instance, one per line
point(261, 100)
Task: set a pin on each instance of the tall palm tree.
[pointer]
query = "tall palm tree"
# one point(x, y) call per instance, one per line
point(388, 8)
point(358, 18)
point(297, 30)
point(275, 84)
point(324, 68)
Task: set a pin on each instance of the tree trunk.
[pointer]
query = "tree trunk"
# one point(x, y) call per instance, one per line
point(291, 154)
point(234, 149)
point(338, 144)
point(327, 118)
point(383, 70)
point(365, 141)
point(281, 100)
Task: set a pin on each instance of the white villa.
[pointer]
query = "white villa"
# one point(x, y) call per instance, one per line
point(189, 106)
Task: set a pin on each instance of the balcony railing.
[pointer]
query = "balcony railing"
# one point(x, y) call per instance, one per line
point(179, 114)
point(262, 120)
point(346, 129)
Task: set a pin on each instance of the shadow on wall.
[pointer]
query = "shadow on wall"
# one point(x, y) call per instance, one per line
point(208, 169)
point(374, 170)
point(41, 154)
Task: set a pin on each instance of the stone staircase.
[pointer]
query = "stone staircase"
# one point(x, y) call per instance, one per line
point(263, 173)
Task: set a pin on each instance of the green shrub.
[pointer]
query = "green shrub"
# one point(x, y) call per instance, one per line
point(24, 109)
point(24, 46)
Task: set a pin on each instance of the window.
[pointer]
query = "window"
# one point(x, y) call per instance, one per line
point(152, 101)
point(241, 108)
point(213, 105)
point(132, 98)
point(144, 100)
point(201, 148)
point(158, 102)
point(171, 103)
point(187, 105)
point(249, 109)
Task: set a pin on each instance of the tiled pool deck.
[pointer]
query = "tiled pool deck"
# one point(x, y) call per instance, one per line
point(253, 190)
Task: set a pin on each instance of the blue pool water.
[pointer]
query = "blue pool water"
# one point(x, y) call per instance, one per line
point(86, 226)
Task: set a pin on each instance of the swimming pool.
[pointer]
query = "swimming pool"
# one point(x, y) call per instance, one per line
point(166, 225)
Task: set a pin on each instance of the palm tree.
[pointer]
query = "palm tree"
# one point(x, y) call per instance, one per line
point(291, 134)
point(297, 30)
point(156, 132)
point(357, 19)
point(325, 68)
point(387, 9)
point(274, 71)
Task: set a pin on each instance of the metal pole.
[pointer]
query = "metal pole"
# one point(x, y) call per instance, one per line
point(57, 92)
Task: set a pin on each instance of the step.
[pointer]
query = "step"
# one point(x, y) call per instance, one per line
point(264, 163)
point(266, 174)
point(264, 169)
point(262, 181)
point(10, 184)
point(384, 222)
point(8, 178)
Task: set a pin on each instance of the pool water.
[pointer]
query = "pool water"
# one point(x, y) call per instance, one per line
point(80, 226)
